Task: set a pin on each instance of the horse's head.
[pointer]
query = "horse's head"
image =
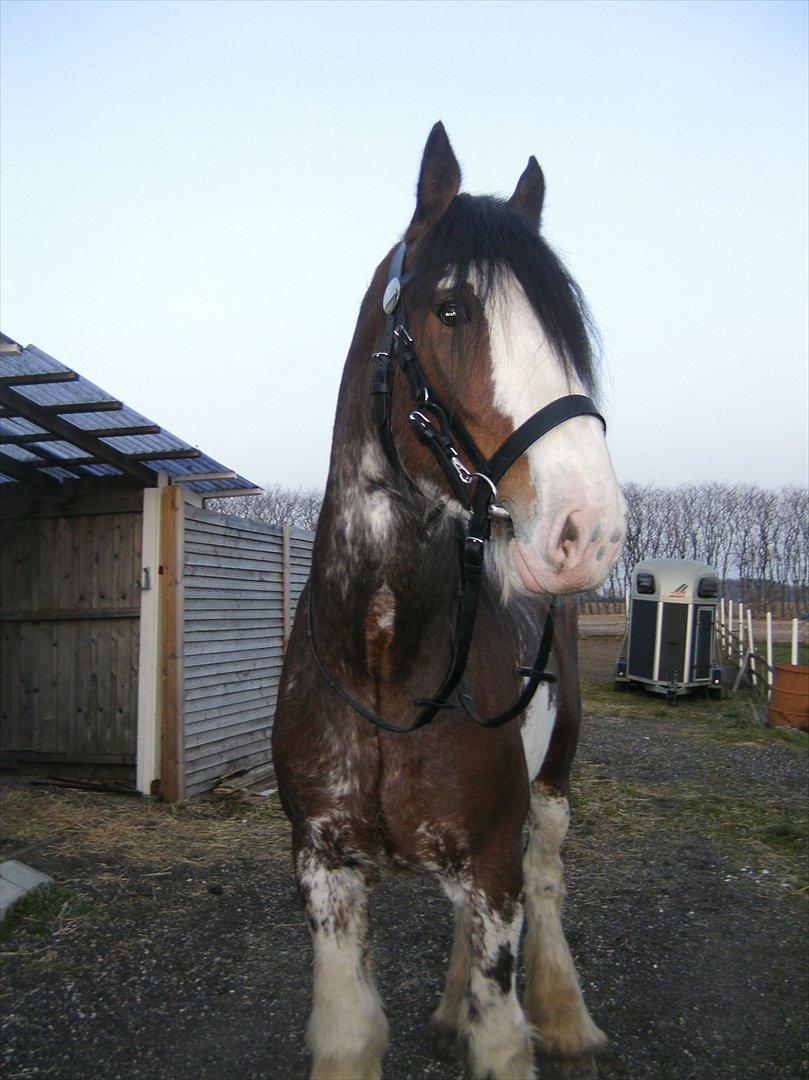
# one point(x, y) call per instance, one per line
point(501, 330)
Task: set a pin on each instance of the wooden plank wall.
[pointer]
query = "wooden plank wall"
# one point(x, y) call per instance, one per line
point(69, 657)
point(300, 561)
point(233, 635)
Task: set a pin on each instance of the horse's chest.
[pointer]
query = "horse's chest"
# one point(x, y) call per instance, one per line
point(537, 729)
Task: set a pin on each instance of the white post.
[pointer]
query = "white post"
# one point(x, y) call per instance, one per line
point(147, 762)
point(769, 646)
point(730, 626)
point(721, 626)
point(626, 603)
point(794, 658)
point(751, 647)
point(741, 633)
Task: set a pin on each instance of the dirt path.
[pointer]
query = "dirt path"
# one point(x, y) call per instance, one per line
point(178, 950)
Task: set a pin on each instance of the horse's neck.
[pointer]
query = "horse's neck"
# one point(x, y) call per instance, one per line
point(376, 557)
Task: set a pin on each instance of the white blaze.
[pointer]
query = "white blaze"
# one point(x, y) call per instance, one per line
point(570, 467)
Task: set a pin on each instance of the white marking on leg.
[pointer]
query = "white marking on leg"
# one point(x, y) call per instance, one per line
point(553, 998)
point(537, 729)
point(499, 1038)
point(348, 1032)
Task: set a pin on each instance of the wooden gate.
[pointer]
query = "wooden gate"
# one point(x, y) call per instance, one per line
point(70, 621)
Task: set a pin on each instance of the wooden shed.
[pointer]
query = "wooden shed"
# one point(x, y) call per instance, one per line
point(142, 632)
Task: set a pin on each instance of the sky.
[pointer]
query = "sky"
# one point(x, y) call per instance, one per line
point(195, 195)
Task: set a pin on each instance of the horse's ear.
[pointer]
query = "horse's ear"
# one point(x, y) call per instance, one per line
point(530, 193)
point(439, 179)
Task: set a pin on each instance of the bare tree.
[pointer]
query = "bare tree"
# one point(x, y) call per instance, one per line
point(757, 539)
point(277, 505)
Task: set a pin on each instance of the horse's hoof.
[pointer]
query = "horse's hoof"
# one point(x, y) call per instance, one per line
point(570, 1068)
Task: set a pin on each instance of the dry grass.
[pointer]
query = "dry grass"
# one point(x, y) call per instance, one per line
point(147, 835)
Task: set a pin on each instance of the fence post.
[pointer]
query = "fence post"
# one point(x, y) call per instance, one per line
point(769, 653)
point(286, 543)
point(751, 648)
point(730, 626)
point(741, 633)
point(794, 651)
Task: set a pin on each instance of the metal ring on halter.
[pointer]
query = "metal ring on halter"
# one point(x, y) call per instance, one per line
point(495, 509)
point(490, 482)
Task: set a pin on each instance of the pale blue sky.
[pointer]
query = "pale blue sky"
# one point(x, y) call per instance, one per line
point(194, 196)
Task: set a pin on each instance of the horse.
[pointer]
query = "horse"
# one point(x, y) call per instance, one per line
point(476, 345)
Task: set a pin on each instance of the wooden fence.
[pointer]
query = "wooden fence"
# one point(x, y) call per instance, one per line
point(602, 607)
point(241, 581)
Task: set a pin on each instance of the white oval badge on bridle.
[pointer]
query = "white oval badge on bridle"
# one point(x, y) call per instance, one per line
point(391, 297)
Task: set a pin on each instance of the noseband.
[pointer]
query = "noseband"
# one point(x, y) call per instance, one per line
point(441, 432)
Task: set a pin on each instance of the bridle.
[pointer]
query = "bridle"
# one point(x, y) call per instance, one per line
point(441, 432)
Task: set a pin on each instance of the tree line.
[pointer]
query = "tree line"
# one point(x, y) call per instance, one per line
point(277, 505)
point(756, 538)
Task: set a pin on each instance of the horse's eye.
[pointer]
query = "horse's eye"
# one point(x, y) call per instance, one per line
point(452, 314)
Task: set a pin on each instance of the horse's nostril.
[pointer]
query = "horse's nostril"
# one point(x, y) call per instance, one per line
point(568, 538)
point(569, 533)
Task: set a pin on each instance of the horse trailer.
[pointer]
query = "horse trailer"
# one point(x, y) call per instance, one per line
point(670, 641)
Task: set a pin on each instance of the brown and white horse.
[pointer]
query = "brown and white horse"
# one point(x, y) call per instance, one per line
point(501, 331)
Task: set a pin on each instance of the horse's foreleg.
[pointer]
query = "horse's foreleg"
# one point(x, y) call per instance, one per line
point(446, 1018)
point(499, 1040)
point(348, 1032)
point(553, 998)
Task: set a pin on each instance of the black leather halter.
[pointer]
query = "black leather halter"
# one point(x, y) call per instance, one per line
point(442, 433)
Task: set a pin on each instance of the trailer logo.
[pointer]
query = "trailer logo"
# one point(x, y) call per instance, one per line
point(681, 590)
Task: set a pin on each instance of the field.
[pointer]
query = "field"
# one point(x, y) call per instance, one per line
point(174, 947)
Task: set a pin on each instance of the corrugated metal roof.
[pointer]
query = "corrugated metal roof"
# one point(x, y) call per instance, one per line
point(49, 435)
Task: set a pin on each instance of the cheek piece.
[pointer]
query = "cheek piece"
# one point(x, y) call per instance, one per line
point(443, 434)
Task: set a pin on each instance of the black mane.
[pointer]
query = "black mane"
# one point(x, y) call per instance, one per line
point(487, 234)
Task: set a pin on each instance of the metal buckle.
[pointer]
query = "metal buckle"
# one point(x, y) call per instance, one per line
point(465, 475)
point(425, 421)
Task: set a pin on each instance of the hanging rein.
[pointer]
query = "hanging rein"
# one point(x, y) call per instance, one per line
point(442, 433)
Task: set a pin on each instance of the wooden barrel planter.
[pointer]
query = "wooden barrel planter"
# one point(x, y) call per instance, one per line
point(789, 701)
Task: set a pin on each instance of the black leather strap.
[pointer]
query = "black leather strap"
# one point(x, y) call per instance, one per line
point(564, 408)
point(536, 674)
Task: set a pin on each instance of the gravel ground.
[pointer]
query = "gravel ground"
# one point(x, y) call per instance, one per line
point(690, 948)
